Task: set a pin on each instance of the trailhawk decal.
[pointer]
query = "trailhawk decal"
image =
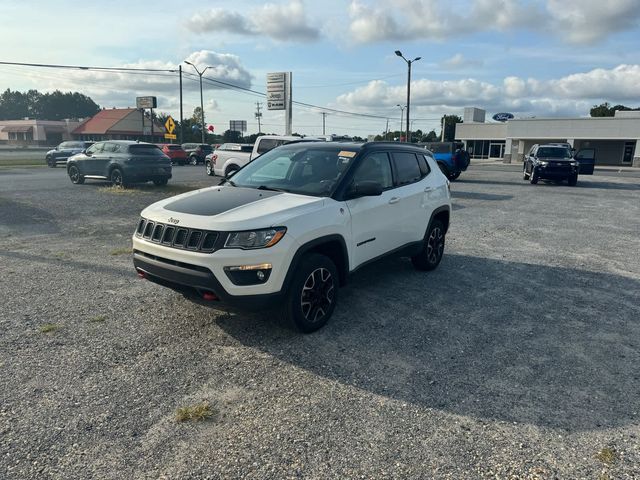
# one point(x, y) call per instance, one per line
point(218, 200)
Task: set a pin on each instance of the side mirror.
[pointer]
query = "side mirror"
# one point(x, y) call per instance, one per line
point(364, 189)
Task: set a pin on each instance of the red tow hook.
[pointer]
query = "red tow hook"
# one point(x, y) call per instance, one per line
point(141, 274)
point(208, 296)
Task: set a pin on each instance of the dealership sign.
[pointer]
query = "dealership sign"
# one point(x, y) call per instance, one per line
point(277, 91)
point(502, 117)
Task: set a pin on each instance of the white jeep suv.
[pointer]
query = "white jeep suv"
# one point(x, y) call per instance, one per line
point(287, 229)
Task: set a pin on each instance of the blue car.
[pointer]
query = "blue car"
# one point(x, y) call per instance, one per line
point(452, 158)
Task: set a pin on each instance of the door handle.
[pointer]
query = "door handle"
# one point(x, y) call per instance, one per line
point(429, 189)
point(394, 200)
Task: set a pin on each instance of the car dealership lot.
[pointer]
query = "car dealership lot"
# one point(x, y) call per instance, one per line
point(517, 357)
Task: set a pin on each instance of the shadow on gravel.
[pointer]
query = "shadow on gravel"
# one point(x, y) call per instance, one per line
point(481, 196)
point(21, 218)
point(547, 346)
point(69, 263)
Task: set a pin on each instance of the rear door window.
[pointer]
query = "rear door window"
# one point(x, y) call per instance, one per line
point(406, 167)
point(375, 168)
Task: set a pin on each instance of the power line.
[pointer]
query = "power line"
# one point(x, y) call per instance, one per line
point(81, 67)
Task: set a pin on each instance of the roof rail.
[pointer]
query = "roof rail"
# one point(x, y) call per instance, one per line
point(390, 142)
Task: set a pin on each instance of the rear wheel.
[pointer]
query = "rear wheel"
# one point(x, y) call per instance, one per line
point(453, 176)
point(193, 160)
point(51, 162)
point(313, 294)
point(210, 171)
point(74, 175)
point(117, 178)
point(433, 249)
point(230, 171)
point(159, 182)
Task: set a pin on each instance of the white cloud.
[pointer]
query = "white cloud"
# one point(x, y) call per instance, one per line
point(281, 22)
point(459, 61)
point(570, 95)
point(577, 21)
point(587, 21)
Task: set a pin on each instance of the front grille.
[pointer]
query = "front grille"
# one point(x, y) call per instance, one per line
point(177, 237)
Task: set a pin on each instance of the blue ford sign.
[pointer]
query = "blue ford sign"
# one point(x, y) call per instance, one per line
point(502, 117)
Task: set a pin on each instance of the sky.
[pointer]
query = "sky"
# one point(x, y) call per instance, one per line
point(542, 58)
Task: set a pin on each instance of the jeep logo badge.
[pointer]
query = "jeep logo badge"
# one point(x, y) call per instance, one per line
point(175, 221)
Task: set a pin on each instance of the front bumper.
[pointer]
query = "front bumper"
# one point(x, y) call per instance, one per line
point(198, 284)
point(555, 172)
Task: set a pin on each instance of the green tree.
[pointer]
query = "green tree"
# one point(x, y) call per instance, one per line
point(450, 126)
point(430, 137)
point(606, 110)
point(231, 136)
point(48, 106)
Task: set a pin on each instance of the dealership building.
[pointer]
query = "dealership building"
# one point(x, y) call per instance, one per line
point(616, 140)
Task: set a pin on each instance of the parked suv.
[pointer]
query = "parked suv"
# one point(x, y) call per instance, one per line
point(121, 162)
point(62, 152)
point(287, 229)
point(552, 162)
point(175, 152)
point(452, 158)
point(196, 152)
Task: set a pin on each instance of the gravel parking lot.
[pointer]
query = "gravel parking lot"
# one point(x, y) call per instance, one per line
point(519, 357)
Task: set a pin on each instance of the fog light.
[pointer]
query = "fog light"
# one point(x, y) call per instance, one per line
point(260, 275)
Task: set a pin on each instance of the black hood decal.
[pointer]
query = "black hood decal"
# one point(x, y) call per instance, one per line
point(218, 200)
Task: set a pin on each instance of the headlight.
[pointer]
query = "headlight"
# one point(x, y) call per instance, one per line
point(543, 163)
point(574, 164)
point(265, 238)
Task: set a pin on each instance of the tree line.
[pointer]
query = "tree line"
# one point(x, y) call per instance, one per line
point(57, 105)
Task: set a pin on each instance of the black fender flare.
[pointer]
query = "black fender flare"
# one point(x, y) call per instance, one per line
point(343, 270)
point(443, 208)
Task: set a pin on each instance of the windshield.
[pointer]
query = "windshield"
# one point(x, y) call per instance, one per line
point(297, 169)
point(554, 152)
point(145, 149)
point(71, 145)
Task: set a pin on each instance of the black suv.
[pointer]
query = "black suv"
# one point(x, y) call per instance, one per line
point(551, 162)
point(196, 152)
point(64, 151)
point(121, 162)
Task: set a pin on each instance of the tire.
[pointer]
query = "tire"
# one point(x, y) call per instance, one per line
point(444, 169)
point(75, 176)
point(312, 295)
point(210, 171)
point(193, 161)
point(117, 178)
point(525, 175)
point(160, 182)
point(51, 163)
point(453, 176)
point(431, 255)
point(230, 170)
point(573, 180)
point(533, 177)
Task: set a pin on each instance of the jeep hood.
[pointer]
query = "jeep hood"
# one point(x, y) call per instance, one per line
point(231, 208)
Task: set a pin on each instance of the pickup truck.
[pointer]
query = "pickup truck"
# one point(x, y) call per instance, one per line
point(231, 157)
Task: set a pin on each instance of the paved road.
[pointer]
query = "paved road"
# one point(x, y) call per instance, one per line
point(517, 358)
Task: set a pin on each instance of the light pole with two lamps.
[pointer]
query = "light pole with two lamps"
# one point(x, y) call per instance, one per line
point(200, 73)
point(409, 62)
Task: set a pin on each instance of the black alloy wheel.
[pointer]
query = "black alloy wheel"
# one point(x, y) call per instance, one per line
point(313, 294)
point(75, 176)
point(433, 248)
point(116, 177)
point(193, 160)
point(210, 171)
point(533, 176)
point(525, 175)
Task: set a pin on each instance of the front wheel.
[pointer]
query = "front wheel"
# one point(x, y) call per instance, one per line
point(433, 248)
point(525, 175)
point(193, 161)
point(313, 294)
point(573, 180)
point(75, 176)
point(160, 182)
point(533, 177)
point(51, 163)
point(210, 171)
point(117, 178)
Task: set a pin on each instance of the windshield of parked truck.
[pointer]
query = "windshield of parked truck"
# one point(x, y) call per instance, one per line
point(297, 168)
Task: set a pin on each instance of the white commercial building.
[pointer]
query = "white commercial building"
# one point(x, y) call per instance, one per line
point(616, 140)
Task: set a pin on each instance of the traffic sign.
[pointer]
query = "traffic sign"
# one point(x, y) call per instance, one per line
point(170, 125)
point(170, 136)
point(146, 102)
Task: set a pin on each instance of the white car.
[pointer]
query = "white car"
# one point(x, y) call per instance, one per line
point(289, 228)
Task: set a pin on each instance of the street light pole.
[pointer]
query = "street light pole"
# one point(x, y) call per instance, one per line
point(409, 62)
point(200, 73)
point(402, 107)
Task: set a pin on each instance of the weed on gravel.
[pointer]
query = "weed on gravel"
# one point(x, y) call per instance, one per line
point(607, 455)
point(49, 327)
point(98, 319)
point(199, 411)
point(120, 251)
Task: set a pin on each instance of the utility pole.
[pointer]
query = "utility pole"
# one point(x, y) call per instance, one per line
point(386, 131)
point(258, 116)
point(324, 116)
point(181, 119)
point(443, 124)
point(402, 107)
point(409, 62)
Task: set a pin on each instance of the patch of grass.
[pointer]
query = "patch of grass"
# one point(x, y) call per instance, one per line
point(113, 189)
point(49, 327)
point(98, 319)
point(607, 455)
point(199, 411)
point(120, 251)
point(22, 162)
point(139, 188)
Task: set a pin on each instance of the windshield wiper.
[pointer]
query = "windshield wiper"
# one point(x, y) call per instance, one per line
point(264, 187)
point(226, 180)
